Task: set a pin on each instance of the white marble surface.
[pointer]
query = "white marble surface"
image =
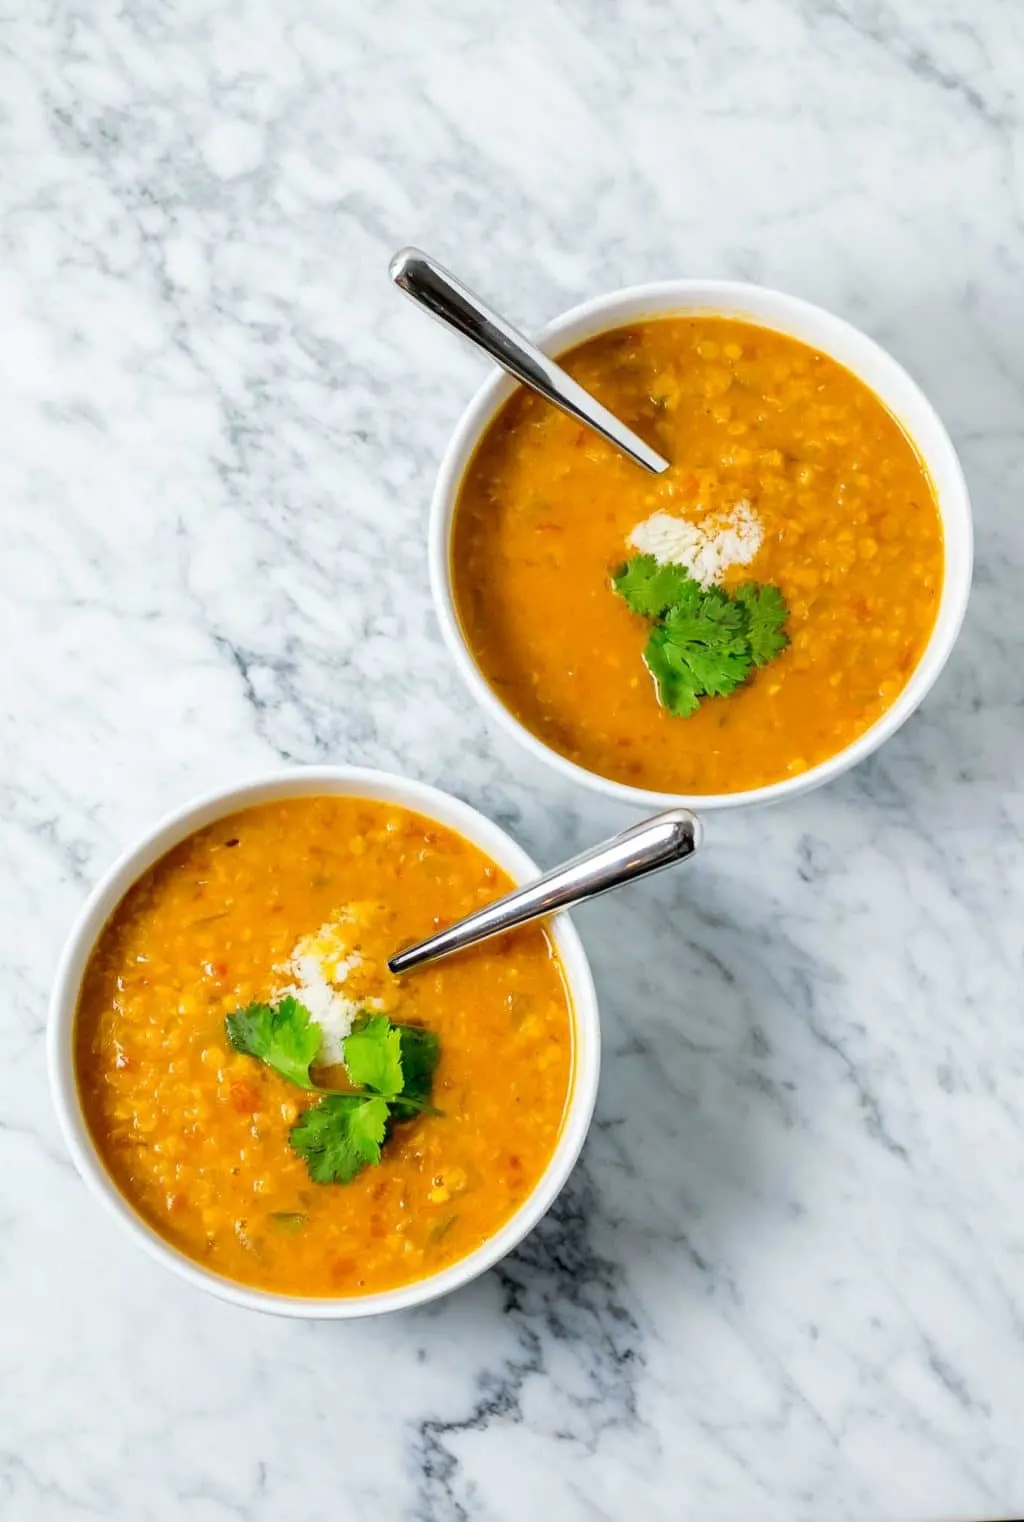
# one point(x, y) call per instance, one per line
point(787, 1281)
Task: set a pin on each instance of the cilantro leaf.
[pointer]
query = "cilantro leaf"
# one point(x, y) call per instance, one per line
point(710, 644)
point(420, 1052)
point(766, 612)
point(677, 690)
point(651, 589)
point(390, 1066)
point(716, 672)
point(395, 1061)
point(341, 1136)
point(708, 613)
point(704, 642)
point(373, 1055)
point(284, 1036)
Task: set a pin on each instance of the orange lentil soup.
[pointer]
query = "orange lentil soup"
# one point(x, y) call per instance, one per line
point(197, 1136)
point(851, 534)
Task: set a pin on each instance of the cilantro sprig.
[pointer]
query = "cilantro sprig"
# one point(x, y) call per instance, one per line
point(341, 1136)
point(284, 1036)
point(766, 615)
point(704, 642)
point(391, 1068)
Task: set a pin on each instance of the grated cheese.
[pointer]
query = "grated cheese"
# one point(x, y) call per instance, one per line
point(707, 550)
point(317, 968)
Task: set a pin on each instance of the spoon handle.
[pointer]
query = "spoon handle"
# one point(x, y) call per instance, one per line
point(447, 299)
point(642, 849)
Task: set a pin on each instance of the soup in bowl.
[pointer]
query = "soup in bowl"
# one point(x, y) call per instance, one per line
point(743, 626)
point(266, 1107)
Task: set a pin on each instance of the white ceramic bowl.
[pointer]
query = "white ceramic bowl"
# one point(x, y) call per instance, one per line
point(312, 781)
point(822, 331)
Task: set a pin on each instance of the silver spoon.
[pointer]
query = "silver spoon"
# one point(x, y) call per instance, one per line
point(642, 849)
point(447, 299)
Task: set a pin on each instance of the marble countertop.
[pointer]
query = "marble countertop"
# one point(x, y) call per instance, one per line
point(787, 1279)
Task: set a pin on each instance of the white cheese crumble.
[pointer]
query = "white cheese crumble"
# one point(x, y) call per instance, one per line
point(317, 968)
point(707, 550)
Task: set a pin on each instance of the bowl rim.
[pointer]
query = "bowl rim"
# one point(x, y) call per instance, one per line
point(205, 809)
point(749, 301)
